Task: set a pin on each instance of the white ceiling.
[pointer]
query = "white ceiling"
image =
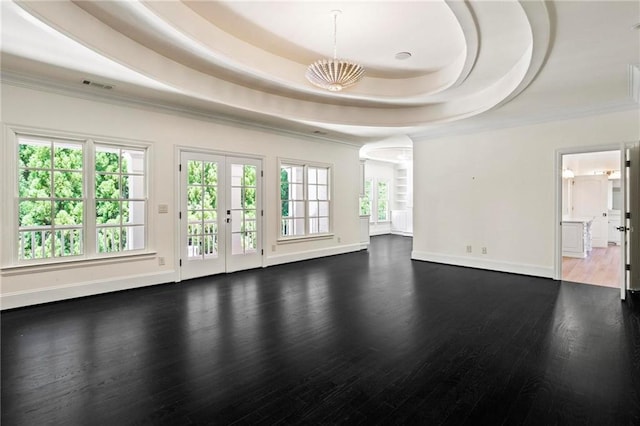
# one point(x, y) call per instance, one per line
point(474, 64)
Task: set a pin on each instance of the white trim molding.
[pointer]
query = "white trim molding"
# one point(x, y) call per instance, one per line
point(492, 265)
point(313, 254)
point(37, 296)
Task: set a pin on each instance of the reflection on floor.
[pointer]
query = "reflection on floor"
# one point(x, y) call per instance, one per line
point(601, 267)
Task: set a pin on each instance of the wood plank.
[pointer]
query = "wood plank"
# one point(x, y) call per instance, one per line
point(601, 267)
point(364, 338)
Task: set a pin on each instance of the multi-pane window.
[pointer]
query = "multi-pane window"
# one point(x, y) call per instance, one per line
point(66, 208)
point(366, 199)
point(305, 200)
point(318, 200)
point(383, 201)
point(50, 198)
point(120, 198)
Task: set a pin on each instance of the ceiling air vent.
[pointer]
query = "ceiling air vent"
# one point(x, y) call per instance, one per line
point(99, 85)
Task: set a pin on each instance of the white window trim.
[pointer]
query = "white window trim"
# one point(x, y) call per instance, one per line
point(306, 237)
point(378, 181)
point(364, 189)
point(373, 217)
point(9, 191)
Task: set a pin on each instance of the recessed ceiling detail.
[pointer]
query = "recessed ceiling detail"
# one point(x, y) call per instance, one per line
point(252, 56)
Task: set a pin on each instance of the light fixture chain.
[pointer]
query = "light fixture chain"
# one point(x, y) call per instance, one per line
point(334, 74)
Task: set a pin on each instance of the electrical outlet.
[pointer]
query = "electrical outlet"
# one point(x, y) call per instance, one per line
point(339, 239)
point(469, 249)
point(273, 247)
point(161, 261)
point(484, 250)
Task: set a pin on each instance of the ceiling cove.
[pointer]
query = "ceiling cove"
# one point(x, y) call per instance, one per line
point(466, 57)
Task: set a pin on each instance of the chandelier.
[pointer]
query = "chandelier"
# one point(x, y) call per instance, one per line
point(334, 74)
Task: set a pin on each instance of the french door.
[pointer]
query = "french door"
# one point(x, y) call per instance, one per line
point(220, 215)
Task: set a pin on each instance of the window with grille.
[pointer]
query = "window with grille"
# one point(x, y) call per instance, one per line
point(382, 199)
point(120, 198)
point(305, 198)
point(51, 198)
point(77, 198)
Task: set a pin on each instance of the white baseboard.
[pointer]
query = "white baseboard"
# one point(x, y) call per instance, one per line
point(493, 265)
point(52, 294)
point(403, 233)
point(312, 254)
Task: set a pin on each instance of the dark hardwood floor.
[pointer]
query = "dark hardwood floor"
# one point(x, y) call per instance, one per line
point(369, 337)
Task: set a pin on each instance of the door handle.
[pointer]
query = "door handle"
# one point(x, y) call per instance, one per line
point(622, 228)
point(228, 220)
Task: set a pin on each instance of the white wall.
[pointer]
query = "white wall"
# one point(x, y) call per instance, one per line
point(63, 113)
point(502, 193)
point(380, 171)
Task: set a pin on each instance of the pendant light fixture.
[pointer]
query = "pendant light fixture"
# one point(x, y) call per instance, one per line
point(334, 74)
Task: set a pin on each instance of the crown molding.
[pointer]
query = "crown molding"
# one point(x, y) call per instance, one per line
point(485, 124)
point(41, 84)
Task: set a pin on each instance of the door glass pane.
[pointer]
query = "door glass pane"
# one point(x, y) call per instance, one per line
point(236, 198)
point(249, 176)
point(236, 220)
point(236, 244)
point(202, 193)
point(210, 199)
point(194, 195)
point(250, 242)
point(237, 172)
point(249, 198)
point(210, 174)
point(195, 172)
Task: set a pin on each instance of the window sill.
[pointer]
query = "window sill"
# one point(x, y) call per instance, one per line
point(303, 238)
point(25, 268)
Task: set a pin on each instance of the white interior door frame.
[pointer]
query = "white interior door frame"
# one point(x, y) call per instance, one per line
point(177, 193)
point(557, 275)
point(631, 203)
